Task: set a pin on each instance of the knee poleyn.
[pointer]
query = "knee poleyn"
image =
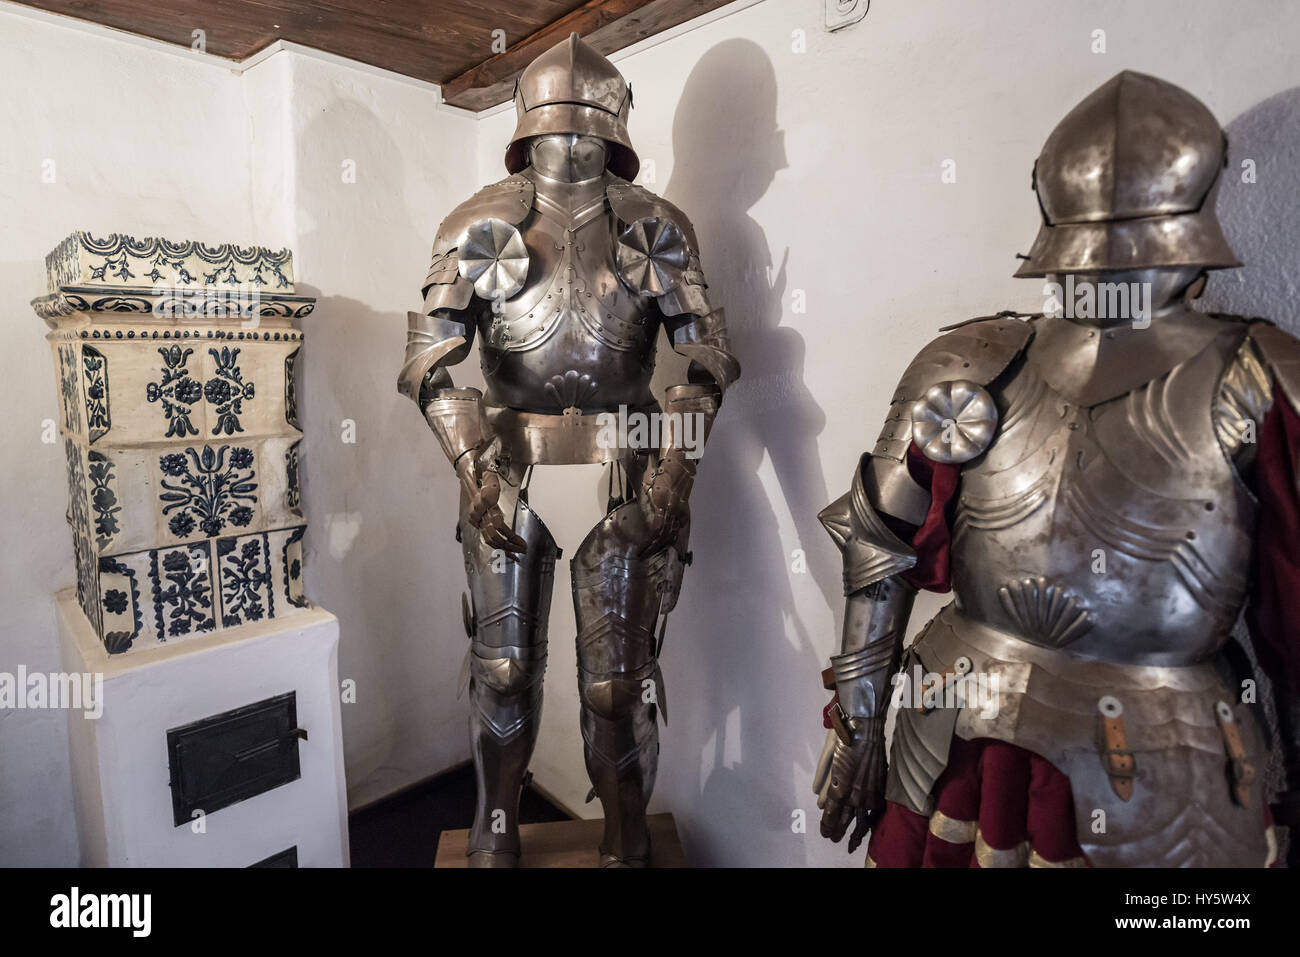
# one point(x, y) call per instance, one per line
point(615, 695)
point(508, 675)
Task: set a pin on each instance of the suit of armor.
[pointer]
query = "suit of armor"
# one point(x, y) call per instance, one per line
point(1085, 482)
point(566, 271)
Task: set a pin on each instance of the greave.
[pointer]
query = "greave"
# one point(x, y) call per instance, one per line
point(507, 660)
point(618, 596)
point(505, 712)
point(620, 739)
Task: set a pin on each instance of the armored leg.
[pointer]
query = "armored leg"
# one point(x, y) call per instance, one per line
point(618, 596)
point(511, 600)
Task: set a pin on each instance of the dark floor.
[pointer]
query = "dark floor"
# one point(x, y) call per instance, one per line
point(403, 830)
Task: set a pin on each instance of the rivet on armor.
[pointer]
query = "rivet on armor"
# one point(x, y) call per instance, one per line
point(954, 421)
point(1109, 706)
point(962, 666)
point(1224, 712)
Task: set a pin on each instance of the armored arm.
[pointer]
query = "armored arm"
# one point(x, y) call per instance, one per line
point(878, 604)
point(455, 295)
point(657, 257)
point(436, 338)
point(941, 408)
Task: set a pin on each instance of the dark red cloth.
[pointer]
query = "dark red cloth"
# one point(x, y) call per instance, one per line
point(826, 712)
point(1013, 795)
point(1276, 589)
point(931, 540)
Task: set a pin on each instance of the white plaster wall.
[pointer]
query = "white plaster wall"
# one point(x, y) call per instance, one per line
point(381, 514)
point(818, 173)
point(142, 141)
point(814, 173)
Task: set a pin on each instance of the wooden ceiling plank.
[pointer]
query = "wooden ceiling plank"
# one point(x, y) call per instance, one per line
point(585, 20)
point(447, 42)
point(611, 25)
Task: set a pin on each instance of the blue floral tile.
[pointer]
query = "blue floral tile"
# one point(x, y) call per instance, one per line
point(286, 549)
point(184, 602)
point(245, 579)
point(125, 594)
point(208, 490)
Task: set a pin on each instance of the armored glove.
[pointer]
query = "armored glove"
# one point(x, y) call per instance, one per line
point(664, 498)
point(480, 473)
point(456, 417)
point(850, 778)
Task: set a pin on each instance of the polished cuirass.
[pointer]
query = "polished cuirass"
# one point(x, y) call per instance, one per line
point(574, 336)
point(1121, 530)
point(1100, 547)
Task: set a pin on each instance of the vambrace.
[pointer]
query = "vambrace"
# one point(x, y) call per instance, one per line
point(432, 341)
point(875, 622)
point(703, 339)
point(456, 417)
point(878, 602)
point(688, 418)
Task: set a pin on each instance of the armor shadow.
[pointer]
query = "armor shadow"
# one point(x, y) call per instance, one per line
point(727, 151)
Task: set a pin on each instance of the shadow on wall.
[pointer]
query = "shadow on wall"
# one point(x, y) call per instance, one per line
point(1259, 206)
point(1262, 218)
point(734, 661)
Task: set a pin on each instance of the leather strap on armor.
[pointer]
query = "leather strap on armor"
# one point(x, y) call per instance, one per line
point(1241, 771)
point(1120, 764)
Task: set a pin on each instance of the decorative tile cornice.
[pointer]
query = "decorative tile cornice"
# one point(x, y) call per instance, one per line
point(120, 260)
point(169, 280)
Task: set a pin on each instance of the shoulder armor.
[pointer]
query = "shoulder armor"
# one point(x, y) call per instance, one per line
point(1241, 400)
point(871, 551)
point(631, 203)
point(657, 253)
point(1280, 353)
point(509, 200)
point(976, 351)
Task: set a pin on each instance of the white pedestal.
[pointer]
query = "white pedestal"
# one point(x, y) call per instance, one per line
point(120, 761)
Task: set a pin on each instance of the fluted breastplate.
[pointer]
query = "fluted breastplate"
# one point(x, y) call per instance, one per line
point(573, 336)
point(1119, 532)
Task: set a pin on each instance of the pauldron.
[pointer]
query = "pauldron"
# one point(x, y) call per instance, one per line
point(657, 257)
point(976, 351)
point(442, 333)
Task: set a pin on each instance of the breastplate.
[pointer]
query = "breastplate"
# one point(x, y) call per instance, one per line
point(573, 336)
point(1120, 532)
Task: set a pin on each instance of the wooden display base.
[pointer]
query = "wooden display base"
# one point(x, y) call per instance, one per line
point(569, 844)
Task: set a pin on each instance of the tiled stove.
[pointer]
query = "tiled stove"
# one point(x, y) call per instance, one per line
point(176, 370)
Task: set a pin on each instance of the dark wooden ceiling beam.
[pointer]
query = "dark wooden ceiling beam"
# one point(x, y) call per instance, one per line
point(608, 25)
point(448, 42)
